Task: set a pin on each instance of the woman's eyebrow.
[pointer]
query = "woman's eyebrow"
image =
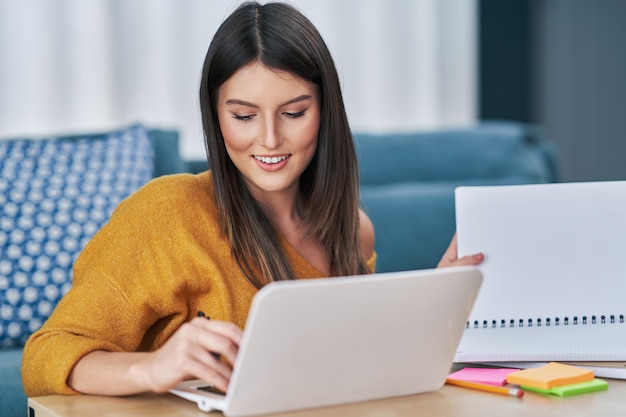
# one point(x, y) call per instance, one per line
point(236, 101)
point(233, 101)
point(296, 99)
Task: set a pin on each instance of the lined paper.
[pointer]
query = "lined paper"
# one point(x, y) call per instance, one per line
point(554, 254)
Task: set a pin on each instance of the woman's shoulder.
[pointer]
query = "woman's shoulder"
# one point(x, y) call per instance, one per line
point(160, 214)
point(366, 235)
point(172, 192)
point(179, 185)
point(163, 205)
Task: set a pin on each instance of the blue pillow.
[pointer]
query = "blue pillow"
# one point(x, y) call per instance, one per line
point(55, 194)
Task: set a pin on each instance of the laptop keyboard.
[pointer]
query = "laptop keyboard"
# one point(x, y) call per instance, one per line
point(211, 389)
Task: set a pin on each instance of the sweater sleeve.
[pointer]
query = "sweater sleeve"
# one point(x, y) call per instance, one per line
point(125, 280)
point(83, 322)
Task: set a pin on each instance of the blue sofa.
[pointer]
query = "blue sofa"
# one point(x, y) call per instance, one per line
point(56, 192)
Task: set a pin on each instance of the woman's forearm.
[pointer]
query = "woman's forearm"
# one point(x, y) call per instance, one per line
point(109, 373)
point(189, 353)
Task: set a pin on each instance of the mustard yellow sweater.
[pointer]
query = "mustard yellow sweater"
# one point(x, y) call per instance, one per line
point(157, 262)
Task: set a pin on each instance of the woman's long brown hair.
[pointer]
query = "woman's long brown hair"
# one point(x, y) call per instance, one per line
point(280, 37)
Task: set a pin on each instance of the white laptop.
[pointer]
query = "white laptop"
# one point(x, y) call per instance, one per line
point(322, 342)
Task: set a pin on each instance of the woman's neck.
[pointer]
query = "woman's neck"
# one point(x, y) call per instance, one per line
point(281, 208)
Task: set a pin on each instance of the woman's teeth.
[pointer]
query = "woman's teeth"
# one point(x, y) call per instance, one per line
point(270, 160)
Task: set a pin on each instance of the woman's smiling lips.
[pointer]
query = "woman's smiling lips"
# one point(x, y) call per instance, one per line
point(271, 162)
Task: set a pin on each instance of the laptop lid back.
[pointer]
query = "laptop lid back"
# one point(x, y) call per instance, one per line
point(315, 343)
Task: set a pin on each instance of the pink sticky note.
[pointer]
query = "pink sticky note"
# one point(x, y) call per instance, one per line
point(490, 376)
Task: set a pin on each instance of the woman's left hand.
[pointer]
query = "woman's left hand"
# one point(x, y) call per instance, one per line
point(451, 257)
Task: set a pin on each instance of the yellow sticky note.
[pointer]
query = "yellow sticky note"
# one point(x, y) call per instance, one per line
point(551, 375)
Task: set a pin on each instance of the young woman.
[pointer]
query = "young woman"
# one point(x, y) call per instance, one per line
point(280, 202)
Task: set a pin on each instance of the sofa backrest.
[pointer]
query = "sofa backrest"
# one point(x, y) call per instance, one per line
point(489, 151)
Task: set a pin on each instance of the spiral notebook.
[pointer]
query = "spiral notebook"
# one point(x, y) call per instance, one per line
point(554, 274)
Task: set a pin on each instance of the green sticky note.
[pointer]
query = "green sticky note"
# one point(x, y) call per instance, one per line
point(572, 389)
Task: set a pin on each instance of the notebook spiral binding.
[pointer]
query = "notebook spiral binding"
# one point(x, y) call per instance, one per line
point(566, 321)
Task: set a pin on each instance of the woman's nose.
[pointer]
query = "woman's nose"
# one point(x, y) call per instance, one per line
point(270, 137)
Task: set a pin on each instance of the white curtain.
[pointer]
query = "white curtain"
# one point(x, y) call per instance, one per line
point(71, 66)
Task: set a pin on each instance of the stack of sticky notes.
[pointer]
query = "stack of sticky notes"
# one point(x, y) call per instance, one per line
point(557, 379)
point(488, 376)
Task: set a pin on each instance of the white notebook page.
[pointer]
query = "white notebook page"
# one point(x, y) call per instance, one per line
point(553, 253)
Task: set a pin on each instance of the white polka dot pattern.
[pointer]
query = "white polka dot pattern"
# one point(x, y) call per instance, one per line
point(55, 193)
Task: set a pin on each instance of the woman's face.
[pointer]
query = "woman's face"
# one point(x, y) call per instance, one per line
point(270, 121)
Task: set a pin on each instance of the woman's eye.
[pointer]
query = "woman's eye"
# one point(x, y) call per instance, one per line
point(245, 118)
point(294, 115)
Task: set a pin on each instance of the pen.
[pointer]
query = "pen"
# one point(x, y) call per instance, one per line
point(216, 355)
point(513, 392)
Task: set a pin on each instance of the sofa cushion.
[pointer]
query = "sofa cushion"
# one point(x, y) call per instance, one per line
point(489, 151)
point(55, 193)
point(167, 158)
point(412, 223)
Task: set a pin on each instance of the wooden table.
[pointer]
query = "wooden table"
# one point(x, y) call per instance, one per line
point(448, 401)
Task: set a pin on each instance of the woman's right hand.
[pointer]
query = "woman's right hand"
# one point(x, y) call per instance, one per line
point(189, 353)
point(193, 351)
